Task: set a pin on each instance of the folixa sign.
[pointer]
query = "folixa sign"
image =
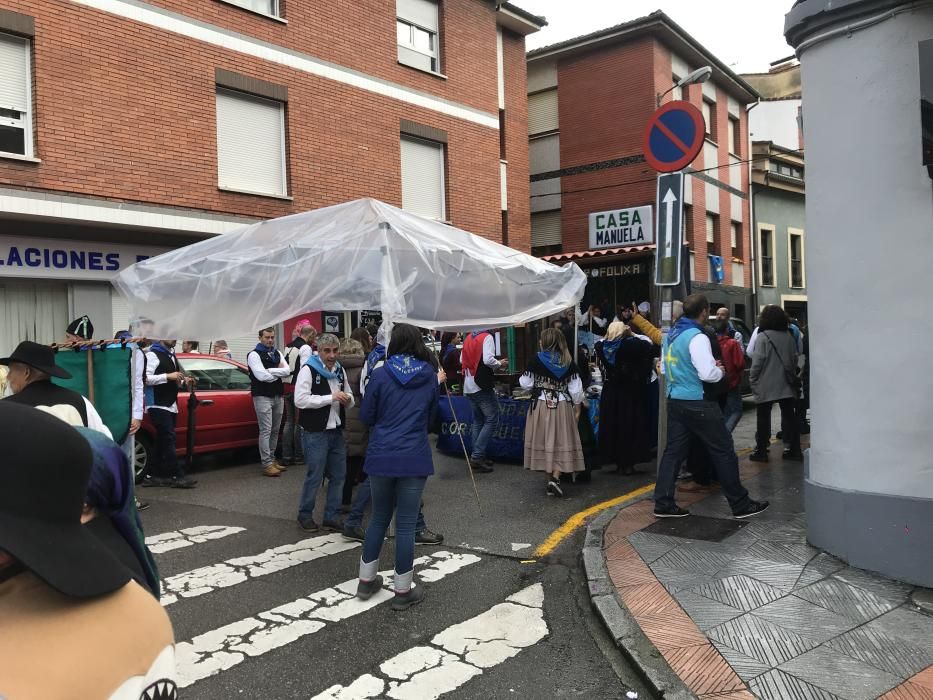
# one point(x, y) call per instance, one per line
point(621, 228)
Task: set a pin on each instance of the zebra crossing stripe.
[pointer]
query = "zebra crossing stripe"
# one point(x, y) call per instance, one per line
point(455, 655)
point(225, 647)
point(197, 582)
point(178, 539)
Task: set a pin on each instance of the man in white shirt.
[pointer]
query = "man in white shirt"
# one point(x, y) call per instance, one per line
point(165, 377)
point(688, 364)
point(323, 394)
point(478, 359)
point(267, 367)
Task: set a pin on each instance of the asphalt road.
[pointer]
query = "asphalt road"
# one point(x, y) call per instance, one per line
point(259, 612)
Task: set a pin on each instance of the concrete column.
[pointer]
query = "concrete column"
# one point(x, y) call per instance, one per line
point(869, 257)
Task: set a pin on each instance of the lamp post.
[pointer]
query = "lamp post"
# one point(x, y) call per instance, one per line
point(700, 75)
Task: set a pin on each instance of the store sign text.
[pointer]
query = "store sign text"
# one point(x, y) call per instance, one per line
point(620, 228)
point(618, 270)
point(49, 258)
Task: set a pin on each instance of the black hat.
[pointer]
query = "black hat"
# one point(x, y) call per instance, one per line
point(43, 482)
point(81, 327)
point(42, 357)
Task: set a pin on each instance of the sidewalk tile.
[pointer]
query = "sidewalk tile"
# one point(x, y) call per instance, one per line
point(908, 691)
point(885, 588)
point(670, 629)
point(746, 667)
point(881, 651)
point(704, 670)
point(781, 575)
point(912, 627)
point(787, 552)
point(728, 695)
point(620, 551)
point(652, 547)
point(805, 618)
point(761, 640)
point(679, 579)
point(694, 559)
point(840, 674)
point(777, 685)
point(740, 592)
point(924, 678)
point(646, 599)
point(630, 572)
point(851, 602)
point(705, 612)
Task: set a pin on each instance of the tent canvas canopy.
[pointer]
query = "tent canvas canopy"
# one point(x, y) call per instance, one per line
point(363, 254)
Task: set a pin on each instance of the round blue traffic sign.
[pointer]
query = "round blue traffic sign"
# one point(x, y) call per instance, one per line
point(674, 136)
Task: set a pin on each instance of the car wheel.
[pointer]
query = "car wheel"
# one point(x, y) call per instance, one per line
point(141, 455)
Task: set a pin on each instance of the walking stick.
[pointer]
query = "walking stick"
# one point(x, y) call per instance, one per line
point(450, 403)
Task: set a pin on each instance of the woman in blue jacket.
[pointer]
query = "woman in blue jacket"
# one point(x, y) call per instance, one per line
point(398, 403)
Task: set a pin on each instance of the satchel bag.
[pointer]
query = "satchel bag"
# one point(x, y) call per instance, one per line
point(790, 375)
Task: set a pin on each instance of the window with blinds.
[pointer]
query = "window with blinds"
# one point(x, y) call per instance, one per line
point(15, 97)
point(545, 229)
point(250, 144)
point(263, 7)
point(711, 228)
point(423, 178)
point(542, 112)
point(417, 28)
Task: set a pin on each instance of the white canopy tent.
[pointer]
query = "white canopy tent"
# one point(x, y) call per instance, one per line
point(359, 255)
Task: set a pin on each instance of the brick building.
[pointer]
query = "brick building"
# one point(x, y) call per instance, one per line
point(589, 100)
point(132, 127)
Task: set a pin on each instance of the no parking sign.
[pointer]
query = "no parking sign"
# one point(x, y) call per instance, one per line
point(674, 136)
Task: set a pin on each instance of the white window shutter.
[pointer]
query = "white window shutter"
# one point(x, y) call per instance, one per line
point(250, 143)
point(420, 12)
point(542, 112)
point(14, 73)
point(545, 229)
point(423, 178)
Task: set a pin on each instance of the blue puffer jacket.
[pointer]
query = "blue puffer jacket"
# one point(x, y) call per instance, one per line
point(399, 401)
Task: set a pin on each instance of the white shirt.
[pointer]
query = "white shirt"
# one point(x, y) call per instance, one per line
point(584, 321)
point(574, 387)
point(489, 359)
point(153, 379)
point(139, 381)
point(267, 374)
point(305, 399)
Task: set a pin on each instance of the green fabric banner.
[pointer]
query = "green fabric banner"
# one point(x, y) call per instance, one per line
point(113, 383)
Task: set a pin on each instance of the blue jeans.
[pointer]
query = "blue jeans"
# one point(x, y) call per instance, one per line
point(401, 495)
point(732, 412)
point(485, 418)
point(703, 420)
point(325, 453)
point(361, 501)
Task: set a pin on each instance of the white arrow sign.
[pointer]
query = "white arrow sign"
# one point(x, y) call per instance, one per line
point(669, 200)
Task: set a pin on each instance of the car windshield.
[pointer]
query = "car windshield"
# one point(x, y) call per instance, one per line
point(215, 375)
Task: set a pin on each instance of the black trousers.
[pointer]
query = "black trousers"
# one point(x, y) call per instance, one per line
point(790, 427)
point(165, 463)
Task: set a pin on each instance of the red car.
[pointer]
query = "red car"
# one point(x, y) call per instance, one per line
point(225, 415)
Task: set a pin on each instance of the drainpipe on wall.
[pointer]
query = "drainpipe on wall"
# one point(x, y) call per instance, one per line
point(752, 224)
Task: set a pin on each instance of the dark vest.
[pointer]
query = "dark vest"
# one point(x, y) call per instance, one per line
point(45, 393)
point(165, 394)
point(484, 377)
point(315, 419)
point(258, 388)
point(292, 356)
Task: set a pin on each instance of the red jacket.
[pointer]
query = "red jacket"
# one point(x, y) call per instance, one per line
point(733, 359)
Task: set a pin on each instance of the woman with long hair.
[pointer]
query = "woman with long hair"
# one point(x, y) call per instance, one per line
point(624, 407)
point(362, 336)
point(552, 442)
point(397, 405)
point(450, 358)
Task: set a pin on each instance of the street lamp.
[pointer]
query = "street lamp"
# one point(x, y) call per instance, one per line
point(700, 75)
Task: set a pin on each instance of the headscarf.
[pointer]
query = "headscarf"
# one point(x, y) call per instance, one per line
point(317, 365)
point(272, 354)
point(81, 327)
point(378, 353)
point(551, 361)
point(110, 491)
point(609, 348)
point(683, 323)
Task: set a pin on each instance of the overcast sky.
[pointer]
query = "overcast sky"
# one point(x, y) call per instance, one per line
point(746, 35)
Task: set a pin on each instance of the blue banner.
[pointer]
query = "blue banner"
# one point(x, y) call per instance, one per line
point(508, 439)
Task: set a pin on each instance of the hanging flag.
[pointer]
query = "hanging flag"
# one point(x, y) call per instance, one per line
point(719, 274)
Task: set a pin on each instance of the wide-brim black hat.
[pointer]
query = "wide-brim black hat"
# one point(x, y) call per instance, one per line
point(43, 484)
point(42, 357)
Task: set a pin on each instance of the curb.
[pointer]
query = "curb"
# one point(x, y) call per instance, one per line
point(625, 630)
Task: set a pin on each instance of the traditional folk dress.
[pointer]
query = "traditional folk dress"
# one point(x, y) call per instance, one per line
point(552, 442)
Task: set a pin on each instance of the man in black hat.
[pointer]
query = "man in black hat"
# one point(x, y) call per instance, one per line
point(74, 623)
point(32, 367)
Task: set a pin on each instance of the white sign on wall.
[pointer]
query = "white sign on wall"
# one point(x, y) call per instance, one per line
point(621, 228)
point(49, 258)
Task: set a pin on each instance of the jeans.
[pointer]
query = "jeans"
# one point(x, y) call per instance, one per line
point(732, 413)
point(291, 433)
point(325, 453)
point(164, 463)
point(701, 419)
point(790, 427)
point(269, 416)
point(485, 418)
point(363, 497)
point(401, 495)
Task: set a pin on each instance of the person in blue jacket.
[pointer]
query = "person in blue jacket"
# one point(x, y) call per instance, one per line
point(397, 406)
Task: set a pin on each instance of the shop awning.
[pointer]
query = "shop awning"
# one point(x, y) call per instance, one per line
point(595, 254)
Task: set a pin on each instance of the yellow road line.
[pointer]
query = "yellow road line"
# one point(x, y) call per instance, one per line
point(575, 521)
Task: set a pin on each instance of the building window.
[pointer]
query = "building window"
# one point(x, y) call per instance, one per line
point(416, 28)
point(711, 228)
point(795, 253)
point(766, 255)
point(423, 178)
point(735, 237)
point(546, 237)
point(263, 7)
point(709, 116)
point(735, 138)
point(677, 93)
point(15, 97)
point(542, 112)
point(250, 144)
